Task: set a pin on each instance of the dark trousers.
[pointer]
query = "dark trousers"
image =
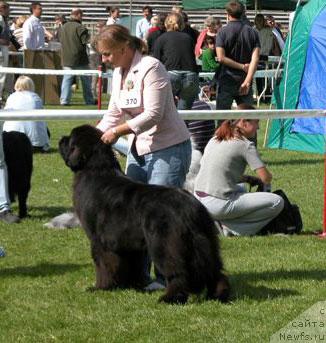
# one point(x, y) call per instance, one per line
point(228, 90)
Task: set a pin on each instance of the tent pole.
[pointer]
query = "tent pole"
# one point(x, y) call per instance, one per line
point(323, 234)
point(324, 228)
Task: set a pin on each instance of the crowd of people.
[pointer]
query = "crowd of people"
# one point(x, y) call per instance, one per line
point(155, 73)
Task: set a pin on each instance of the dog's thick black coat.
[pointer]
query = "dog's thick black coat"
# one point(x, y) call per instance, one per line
point(19, 159)
point(123, 219)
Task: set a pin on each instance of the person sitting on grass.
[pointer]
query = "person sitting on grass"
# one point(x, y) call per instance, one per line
point(25, 98)
point(225, 159)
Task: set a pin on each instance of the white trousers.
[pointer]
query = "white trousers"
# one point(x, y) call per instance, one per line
point(245, 214)
point(4, 197)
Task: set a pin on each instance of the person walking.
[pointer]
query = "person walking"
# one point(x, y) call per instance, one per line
point(74, 38)
point(237, 50)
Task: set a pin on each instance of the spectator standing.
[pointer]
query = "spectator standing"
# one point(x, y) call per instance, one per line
point(152, 37)
point(160, 149)
point(276, 31)
point(212, 25)
point(25, 98)
point(209, 63)
point(269, 46)
point(5, 212)
point(33, 30)
point(59, 21)
point(175, 49)
point(95, 61)
point(114, 15)
point(177, 9)
point(266, 36)
point(144, 24)
point(4, 44)
point(154, 25)
point(237, 50)
point(18, 32)
point(193, 33)
point(74, 39)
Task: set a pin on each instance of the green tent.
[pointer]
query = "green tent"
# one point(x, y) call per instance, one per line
point(303, 84)
point(251, 4)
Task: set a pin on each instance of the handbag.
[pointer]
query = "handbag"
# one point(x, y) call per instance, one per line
point(288, 221)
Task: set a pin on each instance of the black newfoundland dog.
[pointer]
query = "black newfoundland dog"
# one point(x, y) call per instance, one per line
point(19, 159)
point(124, 219)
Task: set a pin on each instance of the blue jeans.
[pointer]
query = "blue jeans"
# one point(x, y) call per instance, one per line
point(4, 197)
point(67, 83)
point(167, 167)
point(185, 85)
point(121, 145)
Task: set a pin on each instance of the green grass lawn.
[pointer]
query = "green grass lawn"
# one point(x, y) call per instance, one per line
point(43, 278)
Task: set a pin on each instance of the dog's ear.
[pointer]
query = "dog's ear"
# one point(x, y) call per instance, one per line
point(64, 148)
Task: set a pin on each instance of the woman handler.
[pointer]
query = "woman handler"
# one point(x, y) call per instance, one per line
point(142, 106)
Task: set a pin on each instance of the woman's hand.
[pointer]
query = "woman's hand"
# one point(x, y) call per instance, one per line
point(110, 136)
point(264, 175)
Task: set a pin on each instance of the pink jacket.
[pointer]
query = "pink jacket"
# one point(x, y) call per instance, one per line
point(156, 122)
point(200, 41)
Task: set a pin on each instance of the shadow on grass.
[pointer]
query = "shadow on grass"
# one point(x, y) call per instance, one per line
point(41, 270)
point(242, 287)
point(49, 152)
point(48, 212)
point(296, 162)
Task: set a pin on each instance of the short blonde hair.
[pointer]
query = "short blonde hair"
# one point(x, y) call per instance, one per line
point(177, 9)
point(24, 83)
point(174, 22)
point(21, 20)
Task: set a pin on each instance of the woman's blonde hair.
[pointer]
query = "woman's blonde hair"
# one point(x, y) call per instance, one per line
point(115, 36)
point(174, 22)
point(24, 83)
point(21, 20)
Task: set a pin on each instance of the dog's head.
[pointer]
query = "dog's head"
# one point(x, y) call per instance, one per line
point(84, 143)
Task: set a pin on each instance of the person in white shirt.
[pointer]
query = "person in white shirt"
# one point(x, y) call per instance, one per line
point(276, 31)
point(33, 30)
point(144, 24)
point(114, 17)
point(25, 98)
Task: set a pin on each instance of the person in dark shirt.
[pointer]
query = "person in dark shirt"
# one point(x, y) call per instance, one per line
point(237, 50)
point(152, 37)
point(74, 38)
point(188, 29)
point(175, 49)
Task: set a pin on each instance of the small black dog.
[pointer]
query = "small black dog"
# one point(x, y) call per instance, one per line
point(19, 159)
point(124, 219)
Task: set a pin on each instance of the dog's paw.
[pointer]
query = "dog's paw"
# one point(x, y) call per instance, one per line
point(92, 289)
point(179, 298)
